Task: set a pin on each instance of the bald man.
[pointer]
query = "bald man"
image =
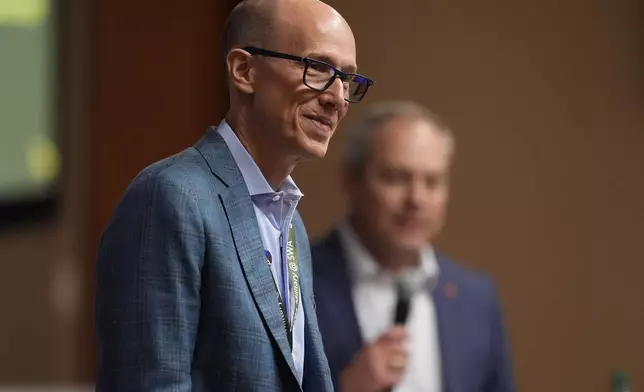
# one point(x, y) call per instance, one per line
point(203, 274)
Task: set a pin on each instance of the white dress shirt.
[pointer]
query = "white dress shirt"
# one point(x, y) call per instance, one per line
point(374, 297)
point(274, 210)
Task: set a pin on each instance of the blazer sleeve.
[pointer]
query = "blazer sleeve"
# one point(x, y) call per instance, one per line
point(501, 377)
point(147, 289)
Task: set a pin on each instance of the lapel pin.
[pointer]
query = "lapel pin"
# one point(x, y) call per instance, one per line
point(269, 257)
point(450, 290)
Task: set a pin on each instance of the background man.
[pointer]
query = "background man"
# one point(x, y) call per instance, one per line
point(396, 176)
point(194, 291)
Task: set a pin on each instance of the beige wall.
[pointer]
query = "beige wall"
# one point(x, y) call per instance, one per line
point(547, 101)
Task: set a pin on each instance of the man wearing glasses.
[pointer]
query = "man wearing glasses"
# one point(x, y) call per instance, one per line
point(203, 274)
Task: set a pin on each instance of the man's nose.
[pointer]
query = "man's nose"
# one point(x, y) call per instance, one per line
point(334, 95)
point(417, 193)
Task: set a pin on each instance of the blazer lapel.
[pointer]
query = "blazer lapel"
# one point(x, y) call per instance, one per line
point(445, 299)
point(248, 241)
point(338, 290)
point(316, 371)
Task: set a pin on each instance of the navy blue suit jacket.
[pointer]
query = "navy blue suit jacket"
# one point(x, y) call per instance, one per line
point(184, 298)
point(474, 349)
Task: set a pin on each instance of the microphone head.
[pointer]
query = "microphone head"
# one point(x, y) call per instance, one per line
point(406, 285)
point(409, 282)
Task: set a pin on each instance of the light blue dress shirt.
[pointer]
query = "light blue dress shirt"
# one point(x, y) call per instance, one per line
point(274, 210)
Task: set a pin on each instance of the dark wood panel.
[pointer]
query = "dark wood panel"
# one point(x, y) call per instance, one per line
point(157, 83)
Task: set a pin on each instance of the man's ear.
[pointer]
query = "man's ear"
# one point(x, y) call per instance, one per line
point(241, 70)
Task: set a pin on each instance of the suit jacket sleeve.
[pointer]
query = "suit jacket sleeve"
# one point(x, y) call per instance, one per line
point(501, 376)
point(148, 281)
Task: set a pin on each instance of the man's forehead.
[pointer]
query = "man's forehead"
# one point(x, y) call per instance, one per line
point(412, 159)
point(328, 39)
point(407, 136)
point(342, 60)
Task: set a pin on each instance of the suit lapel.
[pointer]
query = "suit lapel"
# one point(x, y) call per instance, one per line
point(218, 157)
point(445, 299)
point(316, 372)
point(246, 235)
point(340, 297)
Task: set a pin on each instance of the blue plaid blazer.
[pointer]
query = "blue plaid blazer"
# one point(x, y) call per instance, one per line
point(184, 299)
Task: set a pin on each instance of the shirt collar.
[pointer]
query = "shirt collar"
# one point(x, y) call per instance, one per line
point(363, 267)
point(253, 177)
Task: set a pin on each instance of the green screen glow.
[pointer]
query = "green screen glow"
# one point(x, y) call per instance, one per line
point(29, 157)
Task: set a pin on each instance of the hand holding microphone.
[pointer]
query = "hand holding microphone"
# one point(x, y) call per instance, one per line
point(380, 365)
point(406, 286)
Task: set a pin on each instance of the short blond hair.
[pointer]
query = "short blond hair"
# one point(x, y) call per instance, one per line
point(360, 132)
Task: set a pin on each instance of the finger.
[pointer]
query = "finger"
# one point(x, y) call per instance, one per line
point(390, 363)
point(396, 363)
point(390, 345)
point(395, 333)
point(397, 355)
point(398, 351)
point(402, 345)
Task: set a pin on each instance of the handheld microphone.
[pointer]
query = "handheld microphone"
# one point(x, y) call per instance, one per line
point(404, 293)
point(406, 286)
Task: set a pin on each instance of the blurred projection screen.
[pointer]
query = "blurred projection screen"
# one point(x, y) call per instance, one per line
point(30, 159)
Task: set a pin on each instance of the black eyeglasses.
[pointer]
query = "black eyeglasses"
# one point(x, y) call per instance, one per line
point(319, 75)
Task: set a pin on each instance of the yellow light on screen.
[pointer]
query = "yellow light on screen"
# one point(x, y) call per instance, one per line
point(23, 13)
point(43, 159)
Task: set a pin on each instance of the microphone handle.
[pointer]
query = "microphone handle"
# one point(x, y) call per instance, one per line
point(402, 310)
point(400, 317)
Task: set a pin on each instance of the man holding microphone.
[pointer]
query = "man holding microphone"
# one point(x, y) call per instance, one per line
point(393, 312)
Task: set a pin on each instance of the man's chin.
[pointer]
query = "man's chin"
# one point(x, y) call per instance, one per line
point(313, 149)
point(408, 244)
point(311, 143)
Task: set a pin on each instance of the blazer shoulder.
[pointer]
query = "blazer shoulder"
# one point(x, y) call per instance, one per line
point(186, 170)
point(327, 257)
point(325, 242)
point(470, 280)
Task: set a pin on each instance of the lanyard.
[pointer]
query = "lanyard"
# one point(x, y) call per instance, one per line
point(294, 283)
